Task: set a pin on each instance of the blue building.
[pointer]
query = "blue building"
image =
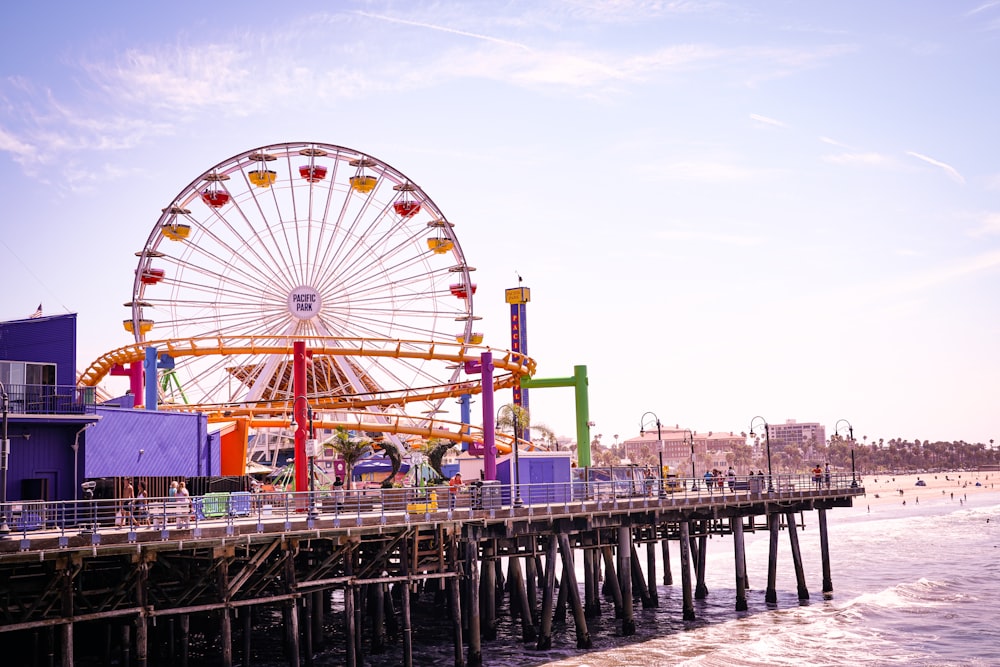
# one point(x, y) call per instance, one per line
point(59, 437)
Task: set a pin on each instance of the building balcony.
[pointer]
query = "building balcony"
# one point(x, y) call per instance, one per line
point(34, 399)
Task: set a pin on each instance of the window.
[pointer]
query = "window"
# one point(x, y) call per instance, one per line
point(27, 373)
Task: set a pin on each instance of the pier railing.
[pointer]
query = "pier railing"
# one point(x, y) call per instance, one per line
point(337, 507)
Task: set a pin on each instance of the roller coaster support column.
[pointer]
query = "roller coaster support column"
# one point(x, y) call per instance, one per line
point(579, 383)
point(299, 410)
point(465, 405)
point(489, 436)
point(149, 367)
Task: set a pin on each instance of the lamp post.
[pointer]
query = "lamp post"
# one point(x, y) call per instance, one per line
point(517, 468)
point(850, 433)
point(659, 443)
point(694, 476)
point(4, 454)
point(767, 442)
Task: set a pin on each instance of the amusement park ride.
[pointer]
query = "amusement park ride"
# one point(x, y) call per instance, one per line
point(338, 251)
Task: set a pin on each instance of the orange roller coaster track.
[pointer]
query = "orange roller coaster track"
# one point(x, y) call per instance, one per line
point(262, 413)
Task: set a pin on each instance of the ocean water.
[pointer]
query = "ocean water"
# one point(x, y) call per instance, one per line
point(913, 585)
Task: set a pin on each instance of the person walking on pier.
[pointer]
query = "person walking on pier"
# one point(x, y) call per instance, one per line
point(817, 476)
point(731, 477)
point(183, 498)
point(453, 486)
point(140, 511)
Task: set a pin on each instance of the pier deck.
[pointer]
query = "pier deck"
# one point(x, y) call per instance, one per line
point(68, 575)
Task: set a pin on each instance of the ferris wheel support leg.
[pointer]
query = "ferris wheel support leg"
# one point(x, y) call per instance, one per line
point(299, 410)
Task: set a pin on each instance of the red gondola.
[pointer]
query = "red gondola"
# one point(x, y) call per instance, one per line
point(461, 290)
point(312, 173)
point(151, 276)
point(215, 198)
point(406, 208)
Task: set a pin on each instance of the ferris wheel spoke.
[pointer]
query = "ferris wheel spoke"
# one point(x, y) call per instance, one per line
point(232, 259)
point(315, 242)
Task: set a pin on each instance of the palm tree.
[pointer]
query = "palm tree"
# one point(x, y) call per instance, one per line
point(546, 436)
point(508, 414)
point(436, 449)
point(350, 448)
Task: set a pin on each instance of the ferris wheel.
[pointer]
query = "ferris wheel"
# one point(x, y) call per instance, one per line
point(300, 240)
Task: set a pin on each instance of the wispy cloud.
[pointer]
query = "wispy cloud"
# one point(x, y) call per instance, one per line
point(925, 280)
point(440, 28)
point(838, 144)
point(983, 7)
point(766, 121)
point(948, 169)
point(870, 159)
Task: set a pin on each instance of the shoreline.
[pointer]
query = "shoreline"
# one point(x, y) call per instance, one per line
point(901, 489)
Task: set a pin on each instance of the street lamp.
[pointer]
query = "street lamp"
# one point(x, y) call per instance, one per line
point(694, 476)
point(659, 443)
point(4, 454)
point(517, 468)
point(767, 441)
point(850, 432)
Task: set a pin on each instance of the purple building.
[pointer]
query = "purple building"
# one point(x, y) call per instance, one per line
point(59, 437)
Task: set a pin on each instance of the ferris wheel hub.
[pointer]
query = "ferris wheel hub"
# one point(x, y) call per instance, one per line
point(304, 302)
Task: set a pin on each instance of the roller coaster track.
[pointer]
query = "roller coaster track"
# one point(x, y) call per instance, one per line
point(277, 413)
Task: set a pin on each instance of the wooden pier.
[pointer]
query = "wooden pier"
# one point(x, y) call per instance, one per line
point(142, 588)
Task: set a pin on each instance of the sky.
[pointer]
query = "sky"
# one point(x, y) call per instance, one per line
point(724, 210)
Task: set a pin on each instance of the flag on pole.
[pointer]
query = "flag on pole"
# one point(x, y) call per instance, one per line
point(37, 313)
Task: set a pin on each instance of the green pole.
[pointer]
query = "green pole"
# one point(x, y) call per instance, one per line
point(580, 384)
point(582, 417)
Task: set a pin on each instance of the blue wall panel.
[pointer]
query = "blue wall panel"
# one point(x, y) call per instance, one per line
point(46, 454)
point(150, 443)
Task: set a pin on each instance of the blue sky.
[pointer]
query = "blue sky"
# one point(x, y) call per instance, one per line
point(723, 209)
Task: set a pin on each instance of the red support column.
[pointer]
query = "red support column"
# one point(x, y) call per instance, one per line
point(299, 410)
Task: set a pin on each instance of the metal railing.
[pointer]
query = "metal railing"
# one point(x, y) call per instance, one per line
point(334, 508)
point(47, 399)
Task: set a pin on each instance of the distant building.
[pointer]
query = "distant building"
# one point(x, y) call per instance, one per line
point(676, 446)
point(807, 436)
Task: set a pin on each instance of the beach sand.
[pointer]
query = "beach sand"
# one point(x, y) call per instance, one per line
point(957, 487)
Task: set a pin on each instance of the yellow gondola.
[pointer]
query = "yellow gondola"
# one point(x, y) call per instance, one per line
point(440, 246)
point(262, 178)
point(363, 183)
point(145, 326)
point(474, 338)
point(175, 231)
